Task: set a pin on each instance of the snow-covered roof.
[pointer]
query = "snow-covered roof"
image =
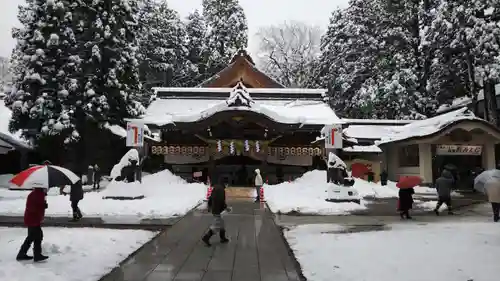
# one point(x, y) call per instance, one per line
point(369, 132)
point(363, 149)
point(464, 101)
point(377, 121)
point(169, 110)
point(428, 126)
point(14, 140)
point(249, 90)
point(119, 131)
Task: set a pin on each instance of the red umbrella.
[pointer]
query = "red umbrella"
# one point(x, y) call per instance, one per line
point(409, 182)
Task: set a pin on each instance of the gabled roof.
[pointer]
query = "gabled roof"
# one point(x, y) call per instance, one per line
point(431, 126)
point(165, 110)
point(241, 69)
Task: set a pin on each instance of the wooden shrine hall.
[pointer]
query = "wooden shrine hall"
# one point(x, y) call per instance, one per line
point(239, 120)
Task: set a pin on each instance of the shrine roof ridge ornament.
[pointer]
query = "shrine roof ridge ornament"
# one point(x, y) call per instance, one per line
point(239, 96)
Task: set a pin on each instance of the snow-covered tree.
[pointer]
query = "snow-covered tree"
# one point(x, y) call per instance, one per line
point(371, 61)
point(198, 55)
point(227, 31)
point(467, 33)
point(162, 45)
point(287, 52)
point(45, 69)
point(107, 35)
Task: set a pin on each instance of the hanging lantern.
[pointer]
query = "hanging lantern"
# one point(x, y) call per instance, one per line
point(219, 146)
point(231, 147)
point(247, 145)
point(257, 146)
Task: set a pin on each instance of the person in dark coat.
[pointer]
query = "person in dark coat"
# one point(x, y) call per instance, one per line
point(383, 178)
point(75, 195)
point(405, 202)
point(96, 177)
point(444, 186)
point(33, 218)
point(217, 204)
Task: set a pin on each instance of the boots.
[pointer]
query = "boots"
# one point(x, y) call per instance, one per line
point(222, 235)
point(23, 252)
point(37, 252)
point(206, 237)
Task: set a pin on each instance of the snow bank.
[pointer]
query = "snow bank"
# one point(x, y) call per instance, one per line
point(306, 195)
point(4, 180)
point(409, 252)
point(166, 195)
point(73, 254)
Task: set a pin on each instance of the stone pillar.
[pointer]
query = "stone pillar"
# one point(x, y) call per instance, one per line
point(425, 162)
point(488, 156)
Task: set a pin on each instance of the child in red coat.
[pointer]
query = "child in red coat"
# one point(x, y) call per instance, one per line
point(33, 218)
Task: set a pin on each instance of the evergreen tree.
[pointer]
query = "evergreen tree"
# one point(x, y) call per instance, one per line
point(196, 30)
point(107, 35)
point(372, 61)
point(466, 33)
point(45, 66)
point(163, 45)
point(227, 32)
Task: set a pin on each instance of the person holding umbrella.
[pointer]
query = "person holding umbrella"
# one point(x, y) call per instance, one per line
point(489, 182)
point(33, 217)
point(39, 178)
point(406, 191)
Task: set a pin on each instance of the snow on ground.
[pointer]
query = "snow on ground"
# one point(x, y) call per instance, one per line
point(73, 254)
point(307, 194)
point(445, 251)
point(166, 195)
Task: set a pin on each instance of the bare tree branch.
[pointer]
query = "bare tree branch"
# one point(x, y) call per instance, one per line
point(288, 51)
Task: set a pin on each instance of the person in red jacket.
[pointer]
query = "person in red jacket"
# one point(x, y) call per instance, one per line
point(33, 218)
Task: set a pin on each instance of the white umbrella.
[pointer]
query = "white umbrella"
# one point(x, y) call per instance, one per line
point(480, 182)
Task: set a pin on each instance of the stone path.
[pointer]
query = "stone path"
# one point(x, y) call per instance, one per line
point(256, 251)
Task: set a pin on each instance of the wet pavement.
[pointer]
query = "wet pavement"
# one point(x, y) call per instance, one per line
point(256, 251)
point(115, 222)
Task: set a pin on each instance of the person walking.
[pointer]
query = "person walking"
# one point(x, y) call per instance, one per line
point(75, 195)
point(34, 214)
point(444, 186)
point(258, 184)
point(96, 177)
point(405, 202)
point(493, 193)
point(217, 204)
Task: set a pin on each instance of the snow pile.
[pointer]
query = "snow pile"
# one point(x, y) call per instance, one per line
point(73, 254)
point(400, 253)
point(131, 155)
point(166, 195)
point(428, 126)
point(306, 195)
point(4, 180)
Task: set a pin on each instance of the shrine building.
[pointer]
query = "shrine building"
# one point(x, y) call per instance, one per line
point(237, 121)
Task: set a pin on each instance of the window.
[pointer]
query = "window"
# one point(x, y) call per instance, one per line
point(408, 156)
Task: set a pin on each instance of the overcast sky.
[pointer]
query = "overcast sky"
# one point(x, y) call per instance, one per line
point(258, 12)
